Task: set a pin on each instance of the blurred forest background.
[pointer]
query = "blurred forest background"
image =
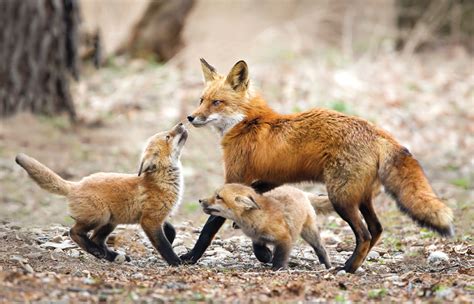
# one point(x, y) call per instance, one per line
point(83, 83)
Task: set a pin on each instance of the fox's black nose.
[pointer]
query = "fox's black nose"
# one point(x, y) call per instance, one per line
point(190, 118)
point(200, 201)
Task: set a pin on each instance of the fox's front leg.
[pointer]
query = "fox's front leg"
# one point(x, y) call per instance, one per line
point(281, 255)
point(154, 230)
point(262, 252)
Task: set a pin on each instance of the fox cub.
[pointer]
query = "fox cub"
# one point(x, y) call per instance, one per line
point(101, 201)
point(278, 217)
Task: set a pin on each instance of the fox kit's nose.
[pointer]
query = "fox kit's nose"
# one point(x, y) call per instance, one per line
point(200, 201)
point(190, 118)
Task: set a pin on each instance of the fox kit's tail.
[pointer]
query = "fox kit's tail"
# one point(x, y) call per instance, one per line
point(320, 203)
point(404, 179)
point(43, 176)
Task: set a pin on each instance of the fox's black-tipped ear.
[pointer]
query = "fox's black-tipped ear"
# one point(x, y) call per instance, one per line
point(247, 201)
point(146, 166)
point(208, 71)
point(238, 77)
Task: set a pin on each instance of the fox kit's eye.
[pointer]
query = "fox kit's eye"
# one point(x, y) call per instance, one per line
point(216, 102)
point(168, 137)
point(200, 101)
point(218, 197)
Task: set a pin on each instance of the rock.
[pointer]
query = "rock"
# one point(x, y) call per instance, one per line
point(373, 255)
point(180, 249)
point(27, 268)
point(63, 245)
point(120, 258)
point(34, 255)
point(437, 257)
point(57, 239)
point(74, 253)
point(341, 272)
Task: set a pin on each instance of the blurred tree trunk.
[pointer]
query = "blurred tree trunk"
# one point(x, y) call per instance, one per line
point(38, 42)
point(158, 33)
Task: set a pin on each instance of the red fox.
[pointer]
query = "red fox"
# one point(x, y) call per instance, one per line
point(278, 217)
point(101, 201)
point(350, 155)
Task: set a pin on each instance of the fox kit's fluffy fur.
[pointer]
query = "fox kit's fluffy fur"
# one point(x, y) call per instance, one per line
point(350, 155)
point(278, 217)
point(101, 201)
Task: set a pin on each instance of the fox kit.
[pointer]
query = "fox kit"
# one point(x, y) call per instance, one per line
point(278, 217)
point(101, 201)
point(350, 155)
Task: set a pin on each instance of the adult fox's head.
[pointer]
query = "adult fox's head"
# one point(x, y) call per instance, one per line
point(223, 97)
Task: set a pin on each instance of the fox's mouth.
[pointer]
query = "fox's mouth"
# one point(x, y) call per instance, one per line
point(209, 210)
point(200, 123)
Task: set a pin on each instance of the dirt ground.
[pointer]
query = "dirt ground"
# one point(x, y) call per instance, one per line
point(425, 101)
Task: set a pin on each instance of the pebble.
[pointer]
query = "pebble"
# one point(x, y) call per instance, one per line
point(120, 258)
point(341, 272)
point(373, 255)
point(180, 249)
point(57, 239)
point(74, 253)
point(34, 255)
point(437, 257)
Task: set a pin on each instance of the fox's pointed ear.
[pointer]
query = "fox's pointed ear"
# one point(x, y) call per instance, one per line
point(146, 165)
point(208, 71)
point(247, 201)
point(238, 77)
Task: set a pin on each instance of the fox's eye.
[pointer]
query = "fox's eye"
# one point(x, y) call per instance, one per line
point(200, 101)
point(216, 102)
point(218, 197)
point(168, 137)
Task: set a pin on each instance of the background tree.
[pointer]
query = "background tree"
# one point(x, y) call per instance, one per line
point(38, 56)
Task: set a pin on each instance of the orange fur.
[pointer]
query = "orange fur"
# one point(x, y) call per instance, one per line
point(349, 154)
point(108, 199)
point(277, 217)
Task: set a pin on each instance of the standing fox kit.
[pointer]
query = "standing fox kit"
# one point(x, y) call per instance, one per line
point(101, 201)
point(350, 155)
point(278, 217)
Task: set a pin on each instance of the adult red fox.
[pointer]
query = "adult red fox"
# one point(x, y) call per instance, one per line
point(101, 201)
point(349, 154)
point(278, 217)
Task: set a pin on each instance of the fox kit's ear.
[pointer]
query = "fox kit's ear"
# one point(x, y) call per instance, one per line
point(146, 165)
point(238, 77)
point(208, 71)
point(247, 201)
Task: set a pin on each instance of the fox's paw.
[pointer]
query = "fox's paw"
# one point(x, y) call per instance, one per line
point(187, 259)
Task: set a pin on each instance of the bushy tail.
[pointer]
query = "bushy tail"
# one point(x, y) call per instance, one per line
point(404, 179)
point(43, 176)
point(320, 203)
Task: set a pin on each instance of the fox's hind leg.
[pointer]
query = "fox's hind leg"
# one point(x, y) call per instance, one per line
point(170, 232)
point(79, 234)
point(262, 252)
point(100, 236)
point(373, 223)
point(153, 227)
point(310, 234)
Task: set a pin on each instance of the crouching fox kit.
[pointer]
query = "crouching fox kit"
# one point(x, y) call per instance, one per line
point(278, 217)
point(349, 154)
point(101, 201)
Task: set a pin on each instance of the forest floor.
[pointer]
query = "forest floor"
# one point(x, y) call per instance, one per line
point(425, 101)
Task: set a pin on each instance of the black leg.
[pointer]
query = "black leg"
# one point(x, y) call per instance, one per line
point(100, 236)
point(262, 186)
point(281, 254)
point(262, 252)
point(213, 224)
point(79, 234)
point(170, 232)
point(160, 242)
